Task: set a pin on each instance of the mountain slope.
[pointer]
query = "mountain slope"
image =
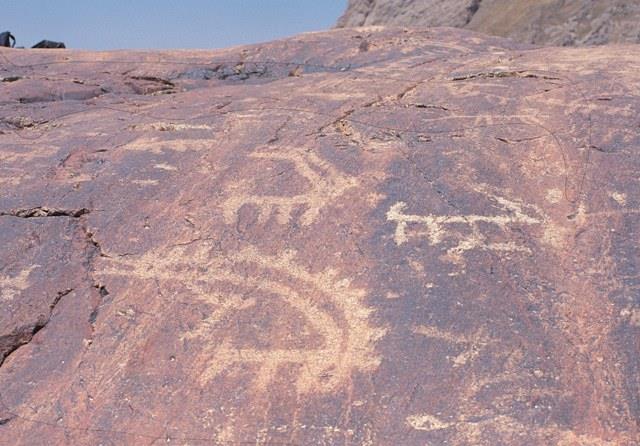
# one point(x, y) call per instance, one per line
point(541, 22)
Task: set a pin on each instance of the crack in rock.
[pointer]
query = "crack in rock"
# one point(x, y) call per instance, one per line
point(21, 122)
point(93, 250)
point(154, 79)
point(4, 421)
point(10, 78)
point(102, 290)
point(45, 212)
point(500, 74)
point(23, 335)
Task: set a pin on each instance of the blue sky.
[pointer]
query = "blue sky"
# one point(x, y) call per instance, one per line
point(116, 24)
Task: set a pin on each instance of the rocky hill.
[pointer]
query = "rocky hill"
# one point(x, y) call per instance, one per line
point(356, 237)
point(542, 22)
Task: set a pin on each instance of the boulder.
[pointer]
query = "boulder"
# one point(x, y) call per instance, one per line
point(355, 237)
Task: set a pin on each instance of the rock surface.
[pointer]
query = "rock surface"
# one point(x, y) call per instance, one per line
point(357, 237)
point(544, 22)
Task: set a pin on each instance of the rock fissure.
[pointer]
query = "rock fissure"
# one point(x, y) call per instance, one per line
point(41, 211)
point(23, 335)
point(503, 74)
point(93, 249)
point(6, 420)
point(154, 79)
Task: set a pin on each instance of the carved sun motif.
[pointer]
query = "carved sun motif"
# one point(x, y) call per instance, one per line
point(330, 305)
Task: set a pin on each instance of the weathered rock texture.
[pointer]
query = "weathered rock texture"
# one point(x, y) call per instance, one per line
point(545, 22)
point(358, 237)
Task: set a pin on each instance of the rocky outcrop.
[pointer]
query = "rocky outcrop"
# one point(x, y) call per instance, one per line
point(548, 22)
point(423, 13)
point(356, 237)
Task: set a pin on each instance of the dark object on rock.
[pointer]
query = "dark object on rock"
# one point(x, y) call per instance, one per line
point(7, 39)
point(48, 44)
point(432, 242)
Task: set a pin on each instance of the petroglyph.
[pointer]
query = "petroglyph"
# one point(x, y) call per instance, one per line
point(325, 185)
point(473, 421)
point(426, 422)
point(10, 287)
point(467, 431)
point(619, 197)
point(25, 154)
point(331, 307)
point(164, 166)
point(11, 181)
point(436, 333)
point(554, 196)
point(632, 315)
point(466, 229)
point(473, 345)
point(145, 182)
point(160, 145)
point(171, 127)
